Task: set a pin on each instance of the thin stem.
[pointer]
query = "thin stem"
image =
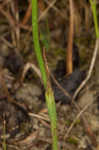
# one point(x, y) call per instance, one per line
point(93, 6)
point(36, 41)
point(45, 76)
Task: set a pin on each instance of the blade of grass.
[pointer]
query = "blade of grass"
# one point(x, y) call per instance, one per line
point(52, 114)
point(49, 93)
point(50, 101)
point(36, 41)
point(93, 6)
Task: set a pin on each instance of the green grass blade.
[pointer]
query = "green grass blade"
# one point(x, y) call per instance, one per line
point(49, 93)
point(93, 6)
point(53, 117)
point(36, 41)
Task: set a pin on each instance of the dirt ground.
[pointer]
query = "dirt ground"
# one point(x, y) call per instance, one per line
point(24, 121)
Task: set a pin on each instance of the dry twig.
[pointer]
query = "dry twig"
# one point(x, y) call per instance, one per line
point(69, 62)
point(90, 69)
point(77, 117)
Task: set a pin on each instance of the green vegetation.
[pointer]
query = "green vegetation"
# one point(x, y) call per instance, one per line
point(49, 93)
point(72, 140)
point(36, 42)
point(93, 6)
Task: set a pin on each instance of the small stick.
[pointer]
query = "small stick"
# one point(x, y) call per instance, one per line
point(27, 14)
point(56, 9)
point(27, 67)
point(46, 10)
point(6, 42)
point(77, 117)
point(90, 70)
point(60, 87)
point(69, 53)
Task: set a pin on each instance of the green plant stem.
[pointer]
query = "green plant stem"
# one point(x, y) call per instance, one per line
point(93, 6)
point(53, 117)
point(36, 41)
point(49, 93)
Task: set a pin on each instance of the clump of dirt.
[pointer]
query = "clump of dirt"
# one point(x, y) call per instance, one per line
point(14, 117)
